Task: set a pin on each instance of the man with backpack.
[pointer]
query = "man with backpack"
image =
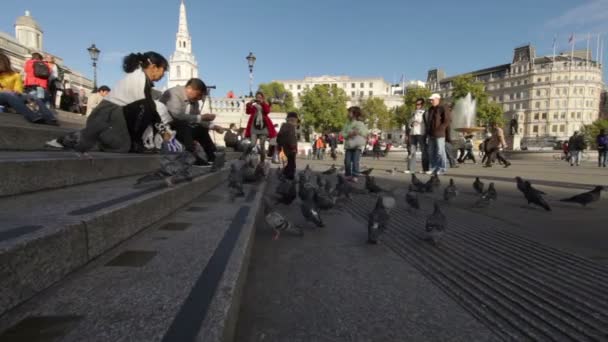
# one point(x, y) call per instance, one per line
point(602, 148)
point(37, 74)
point(576, 145)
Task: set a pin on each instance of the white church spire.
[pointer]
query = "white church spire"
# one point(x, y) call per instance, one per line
point(183, 65)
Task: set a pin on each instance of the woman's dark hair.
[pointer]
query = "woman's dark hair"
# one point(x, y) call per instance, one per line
point(5, 64)
point(260, 93)
point(420, 99)
point(143, 60)
point(197, 84)
point(357, 113)
point(37, 56)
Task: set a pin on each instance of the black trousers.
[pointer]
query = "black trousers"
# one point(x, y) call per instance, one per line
point(468, 154)
point(290, 169)
point(493, 154)
point(187, 134)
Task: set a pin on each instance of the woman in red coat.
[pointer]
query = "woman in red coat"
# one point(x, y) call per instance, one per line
point(259, 126)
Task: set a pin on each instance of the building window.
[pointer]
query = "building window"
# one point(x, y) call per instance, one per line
point(352, 85)
point(539, 80)
point(299, 87)
point(362, 85)
point(371, 93)
point(537, 104)
point(571, 115)
point(544, 116)
point(563, 116)
point(352, 93)
point(554, 128)
point(579, 115)
point(178, 71)
point(555, 116)
point(371, 84)
point(536, 116)
point(562, 128)
point(361, 93)
point(534, 129)
point(538, 92)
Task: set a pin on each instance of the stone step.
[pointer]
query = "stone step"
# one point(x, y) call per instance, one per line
point(179, 280)
point(16, 134)
point(24, 172)
point(48, 234)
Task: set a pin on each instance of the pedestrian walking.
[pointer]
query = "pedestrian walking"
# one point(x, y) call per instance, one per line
point(576, 145)
point(602, 148)
point(494, 145)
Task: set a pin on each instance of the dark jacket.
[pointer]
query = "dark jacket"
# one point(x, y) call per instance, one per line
point(287, 139)
point(602, 141)
point(438, 122)
point(577, 143)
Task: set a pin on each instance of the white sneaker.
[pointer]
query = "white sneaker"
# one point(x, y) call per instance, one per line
point(406, 171)
point(441, 173)
point(429, 172)
point(53, 143)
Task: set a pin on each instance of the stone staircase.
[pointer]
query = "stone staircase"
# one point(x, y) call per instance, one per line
point(85, 256)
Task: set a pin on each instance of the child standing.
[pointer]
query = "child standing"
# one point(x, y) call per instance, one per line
point(354, 140)
point(288, 142)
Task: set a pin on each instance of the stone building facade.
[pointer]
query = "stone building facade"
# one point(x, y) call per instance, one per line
point(550, 96)
point(29, 39)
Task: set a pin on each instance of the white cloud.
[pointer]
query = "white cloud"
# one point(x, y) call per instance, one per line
point(591, 15)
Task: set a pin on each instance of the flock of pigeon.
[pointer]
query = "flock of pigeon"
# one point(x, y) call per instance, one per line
point(318, 194)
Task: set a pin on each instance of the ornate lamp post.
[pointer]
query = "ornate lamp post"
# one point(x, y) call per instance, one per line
point(250, 61)
point(94, 53)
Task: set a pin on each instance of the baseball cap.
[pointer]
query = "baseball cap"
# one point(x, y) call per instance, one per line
point(435, 96)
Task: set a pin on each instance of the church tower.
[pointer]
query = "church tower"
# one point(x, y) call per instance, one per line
point(182, 64)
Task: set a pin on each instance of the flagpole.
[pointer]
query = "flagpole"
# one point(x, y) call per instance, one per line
point(572, 51)
point(554, 46)
point(597, 47)
point(588, 40)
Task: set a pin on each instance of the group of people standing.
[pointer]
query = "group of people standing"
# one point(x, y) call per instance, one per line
point(428, 131)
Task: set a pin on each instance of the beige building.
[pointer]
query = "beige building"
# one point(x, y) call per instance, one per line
point(550, 96)
point(356, 88)
point(28, 39)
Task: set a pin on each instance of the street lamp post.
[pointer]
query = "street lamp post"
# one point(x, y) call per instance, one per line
point(94, 53)
point(250, 61)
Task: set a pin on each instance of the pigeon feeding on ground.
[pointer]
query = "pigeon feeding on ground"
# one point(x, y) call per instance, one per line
point(392, 171)
point(411, 198)
point(367, 172)
point(432, 183)
point(235, 181)
point(323, 199)
point(331, 170)
point(328, 186)
point(478, 185)
point(450, 191)
point(279, 223)
point(378, 219)
point(286, 191)
point(309, 208)
point(487, 197)
point(586, 197)
point(534, 196)
point(436, 224)
point(418, 186)
point(320, 181)
point(371, 186)
point(522, 187)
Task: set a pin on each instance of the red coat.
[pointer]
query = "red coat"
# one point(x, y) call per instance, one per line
point(30, 78)
point(251, 111)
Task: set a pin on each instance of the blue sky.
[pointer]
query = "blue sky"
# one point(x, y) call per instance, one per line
point(293, 39)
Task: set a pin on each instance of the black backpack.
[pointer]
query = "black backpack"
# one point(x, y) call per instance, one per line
point(41, 70)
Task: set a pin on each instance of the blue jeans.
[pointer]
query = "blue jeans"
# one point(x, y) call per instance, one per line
point(575, 157)
point(602, 155)
point(351, 162)
point(17, 102)
point(437, 154)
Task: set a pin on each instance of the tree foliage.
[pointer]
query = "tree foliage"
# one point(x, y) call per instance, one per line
point(591, 131)
point(376, 113)
point(276, 91)
point(323, 108)
point(486, 111)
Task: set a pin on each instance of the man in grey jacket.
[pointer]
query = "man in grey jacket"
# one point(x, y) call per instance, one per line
point(182, 102)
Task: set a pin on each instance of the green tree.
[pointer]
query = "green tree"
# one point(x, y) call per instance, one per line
point(591, 131)
point(276, 91)
point(486, 111)
point(376, 113)
point(323, 108)
point(400, 115)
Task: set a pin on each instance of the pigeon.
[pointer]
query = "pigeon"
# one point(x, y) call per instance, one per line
point(331, 170)
point(586, 197)
point(478, 185)
point(286, 191)
point(249, 171)
point(418, 186)
point(434, 180)
point(392, 171)
point(521, 186)
point(411, 198)
point(534, 196)
point(377, 221)
point(487, 197)
point(343, 188)
point(235, 181)
point(323, 199)
point(450, 191)
point(367, 172)
point(328, 186)
point(320, 181)
point(279, 223)
point(436, 224)
point(309, 208)
point(371, 186)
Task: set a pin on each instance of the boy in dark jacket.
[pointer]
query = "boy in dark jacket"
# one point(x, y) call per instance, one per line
point(288, 142)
